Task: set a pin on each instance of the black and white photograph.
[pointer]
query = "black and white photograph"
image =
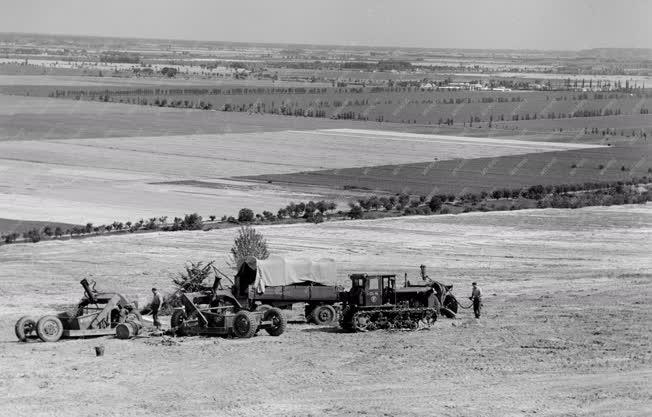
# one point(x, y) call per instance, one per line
point(301, 208)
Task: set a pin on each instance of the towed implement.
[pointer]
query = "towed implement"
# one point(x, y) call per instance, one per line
point(374, 302)
point(217, 312)
point(97, 314)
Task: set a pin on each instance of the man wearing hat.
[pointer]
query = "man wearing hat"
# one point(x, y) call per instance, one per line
point(476, 297)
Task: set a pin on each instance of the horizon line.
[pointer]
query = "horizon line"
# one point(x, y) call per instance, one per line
point(315, 44)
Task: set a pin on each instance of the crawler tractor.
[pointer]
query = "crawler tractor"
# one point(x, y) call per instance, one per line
point(97, 314)
point(374, 302)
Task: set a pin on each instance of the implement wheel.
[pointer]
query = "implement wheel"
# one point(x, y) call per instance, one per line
point(275, 315)
point(25, 328)
point(49, 328)
point(323, 315)
point(244, 324)
point(263, 308)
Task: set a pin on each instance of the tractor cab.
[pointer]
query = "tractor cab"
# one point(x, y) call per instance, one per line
point(372, 290)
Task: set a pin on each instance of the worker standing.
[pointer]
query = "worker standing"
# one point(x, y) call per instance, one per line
point(476, 297)
point(157, 302)
point(424, 276)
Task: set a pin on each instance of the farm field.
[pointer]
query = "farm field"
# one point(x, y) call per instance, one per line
point(409, 105)
point(37, 118)
point(103, 180)
point(564, 329)
point(484, 174)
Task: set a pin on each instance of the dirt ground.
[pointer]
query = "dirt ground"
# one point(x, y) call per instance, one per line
point(565, 329)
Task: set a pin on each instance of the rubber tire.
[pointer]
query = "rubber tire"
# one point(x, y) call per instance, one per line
point(323, 315)
point(263, 308)
point(272, 314)
point(248, 330)
point(176, 322)
point(450, 303)
point(41, 328)
point(21, 332)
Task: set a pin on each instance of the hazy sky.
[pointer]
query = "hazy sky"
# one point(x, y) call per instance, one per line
point(544, 24)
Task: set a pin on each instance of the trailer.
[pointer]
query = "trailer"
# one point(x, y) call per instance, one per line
point(281, 283)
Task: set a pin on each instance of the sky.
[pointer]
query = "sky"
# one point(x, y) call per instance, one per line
point(483, 24)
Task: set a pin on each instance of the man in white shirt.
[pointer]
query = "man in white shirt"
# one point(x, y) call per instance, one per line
point(476, 297)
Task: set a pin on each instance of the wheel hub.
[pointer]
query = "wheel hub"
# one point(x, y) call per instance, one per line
point(50, 328)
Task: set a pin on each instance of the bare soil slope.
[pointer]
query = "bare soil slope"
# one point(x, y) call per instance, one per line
point(565, 329)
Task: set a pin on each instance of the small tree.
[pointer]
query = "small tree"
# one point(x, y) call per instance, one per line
point(248, 242)
point(192, 222)
point(245, 215)
point(192, 279)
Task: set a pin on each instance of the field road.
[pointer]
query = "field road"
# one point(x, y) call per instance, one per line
point(565, 329)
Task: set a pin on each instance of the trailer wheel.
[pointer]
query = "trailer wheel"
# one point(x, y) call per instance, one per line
point(49, 328)
point(263, 307)
point(176, 322)
point(279, 323)
point(244, 324)
point(323, 315)
point(25, 328)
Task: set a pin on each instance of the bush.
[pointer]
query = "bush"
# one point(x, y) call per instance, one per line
point(11, 237)
point(435, 203)
point(192, 222)
point(445, 210)
point(33, 235)
point(192, 279)
point(355, 212)
point(248, 242)
point(269, 216)
point(245, 215)
point(316, 218)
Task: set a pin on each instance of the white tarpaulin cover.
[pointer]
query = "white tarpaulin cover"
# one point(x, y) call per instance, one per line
point(277, 270)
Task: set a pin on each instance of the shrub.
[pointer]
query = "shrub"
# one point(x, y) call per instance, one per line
point(248, 242)
point(192, 222)
point(355, 212)
point(269, 216)
point(192, 279)
point(316, 218)
point(435, 203)
point(33, 235)
point(11, 237)
point(245, 215)
point(445, 210)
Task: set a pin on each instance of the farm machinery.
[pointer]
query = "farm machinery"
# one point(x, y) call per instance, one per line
point(281, 283)
point(374, 302)
point(217, 312)
point(97, 314)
